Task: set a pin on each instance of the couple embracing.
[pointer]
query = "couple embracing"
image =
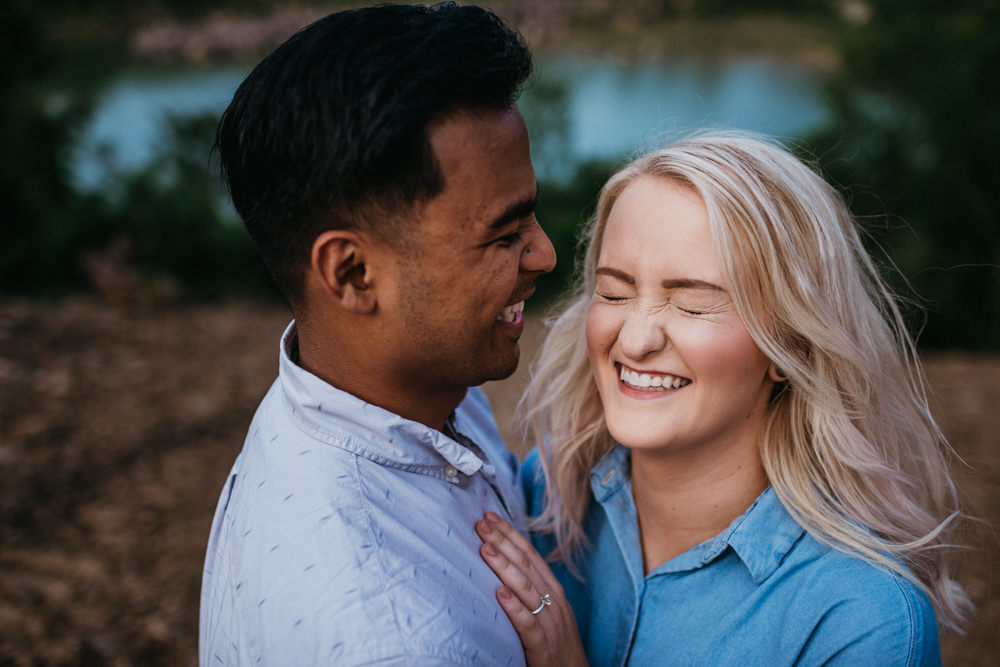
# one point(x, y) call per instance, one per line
point(735, 463)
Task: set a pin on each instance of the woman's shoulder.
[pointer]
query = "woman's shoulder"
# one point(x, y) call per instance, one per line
point(865, 609)
point(845, 575)
point(533, 482)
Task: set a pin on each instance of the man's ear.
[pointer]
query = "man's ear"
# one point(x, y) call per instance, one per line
point(339, 263)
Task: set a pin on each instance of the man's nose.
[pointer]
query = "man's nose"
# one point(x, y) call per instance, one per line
point(538, 255)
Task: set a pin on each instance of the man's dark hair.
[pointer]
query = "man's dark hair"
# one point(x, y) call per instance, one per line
point(330, 131)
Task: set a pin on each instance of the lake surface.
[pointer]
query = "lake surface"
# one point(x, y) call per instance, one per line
point(616, 108)
point(576, 109)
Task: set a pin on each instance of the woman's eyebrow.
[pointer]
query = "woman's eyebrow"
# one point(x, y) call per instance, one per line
point(615, 273)
point(691, 283)
point(668, 283)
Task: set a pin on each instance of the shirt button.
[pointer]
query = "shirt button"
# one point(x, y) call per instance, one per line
point(450, 471)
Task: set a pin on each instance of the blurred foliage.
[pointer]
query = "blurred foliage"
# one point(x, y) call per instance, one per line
point(113, 16)
point(173, 218)
point(39, 112)
point(916, 128)
point(165, 222)
point(730, 7)
point(917, 136)
point(563, 210)
point(567, 191)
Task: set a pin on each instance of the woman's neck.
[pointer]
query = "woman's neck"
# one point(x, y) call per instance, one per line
point(682, 501)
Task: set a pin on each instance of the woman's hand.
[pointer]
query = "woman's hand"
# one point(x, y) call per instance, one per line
point(531, 596)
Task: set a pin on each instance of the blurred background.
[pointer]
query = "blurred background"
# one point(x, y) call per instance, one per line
point(138, 329)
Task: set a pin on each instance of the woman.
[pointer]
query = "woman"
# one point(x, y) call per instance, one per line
point(738, 463)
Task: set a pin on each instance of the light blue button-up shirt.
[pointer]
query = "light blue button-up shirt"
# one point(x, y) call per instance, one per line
point(344, 535)
point(762, 592)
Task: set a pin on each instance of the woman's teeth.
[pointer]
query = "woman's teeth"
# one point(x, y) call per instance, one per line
point(650, 382)
point(510, 313)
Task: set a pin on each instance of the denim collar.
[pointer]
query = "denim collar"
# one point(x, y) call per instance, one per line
point(762, 536)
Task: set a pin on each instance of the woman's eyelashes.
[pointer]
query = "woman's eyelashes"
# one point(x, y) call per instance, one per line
point(687, 309)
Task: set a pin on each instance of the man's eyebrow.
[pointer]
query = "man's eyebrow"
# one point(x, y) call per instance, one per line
point(516, 211)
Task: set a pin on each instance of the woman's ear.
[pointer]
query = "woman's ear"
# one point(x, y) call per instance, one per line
point(340, 263)
point(776, 374)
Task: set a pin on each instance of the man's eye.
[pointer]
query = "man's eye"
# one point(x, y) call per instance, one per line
point(510, 239)
point(611, 298)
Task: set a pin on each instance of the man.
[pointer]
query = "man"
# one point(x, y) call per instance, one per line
point(382, 169)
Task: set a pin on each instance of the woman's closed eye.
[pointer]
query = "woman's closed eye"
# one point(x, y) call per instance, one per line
point(699, 307)
point(611, 298)
point(690, 311)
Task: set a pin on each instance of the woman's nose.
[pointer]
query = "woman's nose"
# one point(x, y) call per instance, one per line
point(642, 334)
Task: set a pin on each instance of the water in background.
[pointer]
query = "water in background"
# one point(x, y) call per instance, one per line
point(576, 110)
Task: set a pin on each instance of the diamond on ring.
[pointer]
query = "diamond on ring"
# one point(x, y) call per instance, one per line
point(545, 602)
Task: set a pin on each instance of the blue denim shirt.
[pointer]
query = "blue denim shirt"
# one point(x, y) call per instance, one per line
point(762, 592)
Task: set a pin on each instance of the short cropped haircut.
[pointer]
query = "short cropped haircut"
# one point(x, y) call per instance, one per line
point(330, 131)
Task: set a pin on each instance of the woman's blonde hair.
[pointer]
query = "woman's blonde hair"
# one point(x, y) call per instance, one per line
point(848, 444)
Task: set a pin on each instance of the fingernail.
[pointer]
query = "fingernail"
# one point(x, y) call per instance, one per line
point(489, 550)
point(504, 593)
point(484, 527)
point(492, 517)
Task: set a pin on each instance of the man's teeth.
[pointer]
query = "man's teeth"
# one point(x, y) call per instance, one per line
point(510, 313)
point(648, 382)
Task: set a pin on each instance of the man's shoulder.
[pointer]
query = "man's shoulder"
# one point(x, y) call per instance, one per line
point(351, 583)
point(359, 561)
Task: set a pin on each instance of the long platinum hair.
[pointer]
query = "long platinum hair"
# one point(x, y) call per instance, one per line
point(849, 444)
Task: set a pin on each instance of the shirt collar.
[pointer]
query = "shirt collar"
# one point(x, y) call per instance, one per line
point(611, 473)
point(334, 416)
point(762, 536)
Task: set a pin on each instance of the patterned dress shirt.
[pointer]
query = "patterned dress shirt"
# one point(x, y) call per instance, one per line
point(344, 535)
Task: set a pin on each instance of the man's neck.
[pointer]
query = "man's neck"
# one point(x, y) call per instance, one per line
point(346, 370)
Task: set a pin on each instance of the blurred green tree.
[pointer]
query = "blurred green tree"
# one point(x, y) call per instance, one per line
point(35, 131)
point(174, 220)
point(564, 207)
point(918, 135)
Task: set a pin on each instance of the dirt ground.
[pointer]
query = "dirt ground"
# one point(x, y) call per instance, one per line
point(117, 427)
